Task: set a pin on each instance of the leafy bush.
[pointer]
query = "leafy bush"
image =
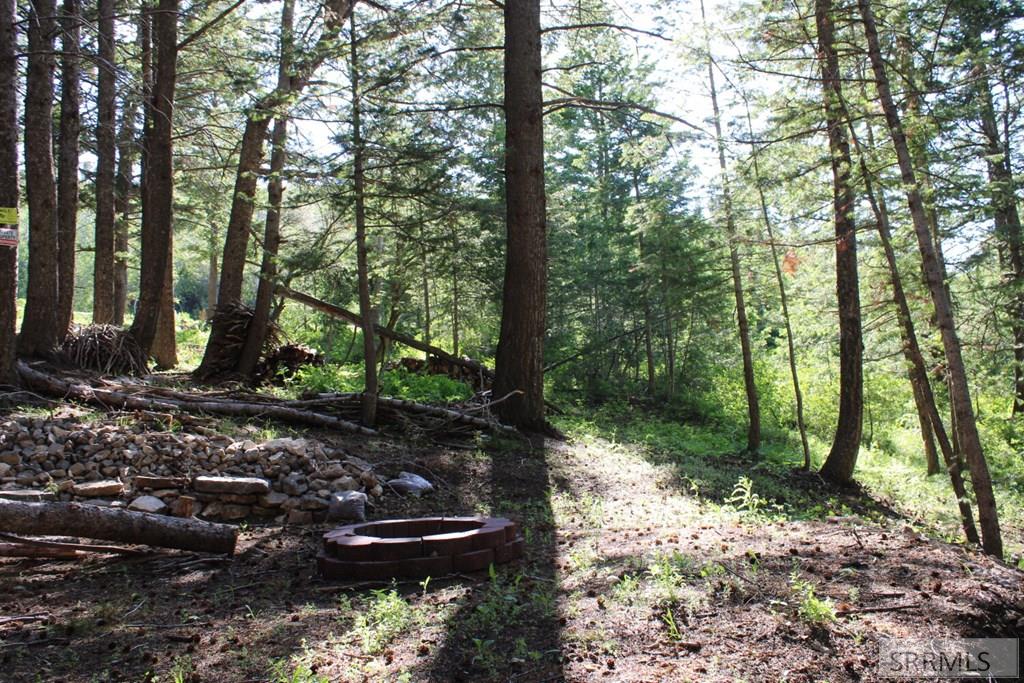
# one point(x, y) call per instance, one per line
point(398, 383)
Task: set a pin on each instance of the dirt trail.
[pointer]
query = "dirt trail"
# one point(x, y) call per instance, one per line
point(637, 570)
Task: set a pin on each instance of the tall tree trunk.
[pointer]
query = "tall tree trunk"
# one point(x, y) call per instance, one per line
point(9, 198)
point(212, 278)
point(455, 299)
point(256, 336)
point(743, 326)
point(783, 298)
point(158, 197)
point(520, 357)
point(236, 241)
point(924, 399)
point(106, 150)
point(40, 329)
point(426, 298)
point(165, 344)
point(1003, 193)
point(928, 413)
point(67, 160)
point(366, 310)
point(123, 203)
point(842, 458)
point(960, 395)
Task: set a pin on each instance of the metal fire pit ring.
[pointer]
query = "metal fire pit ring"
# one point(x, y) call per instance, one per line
point(426, 546)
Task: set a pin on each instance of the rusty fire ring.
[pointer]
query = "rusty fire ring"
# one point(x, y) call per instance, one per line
point(426, 546)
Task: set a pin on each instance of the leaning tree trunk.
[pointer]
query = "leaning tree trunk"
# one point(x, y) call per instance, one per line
point(106, 151)
point(743, 326)
point(40, 329)
point(256, 335)
point(842, 458)
point(366, 310)
point(928, 413)
point(157, 206)
point(960, 395)
point(67, 160)
point(519, 364)
point(9, 198)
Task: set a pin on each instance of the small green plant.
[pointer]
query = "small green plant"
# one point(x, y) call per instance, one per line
point(670, 622)
point(812, 610)
point(626, 589)
point(744, 499)
point(424, 583)
point(384, 617)
point(182, 669)
point(283, 671)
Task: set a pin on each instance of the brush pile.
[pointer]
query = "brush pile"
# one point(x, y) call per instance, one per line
point(106, 349)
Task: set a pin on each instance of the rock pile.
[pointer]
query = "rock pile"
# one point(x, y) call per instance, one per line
point(182, 473)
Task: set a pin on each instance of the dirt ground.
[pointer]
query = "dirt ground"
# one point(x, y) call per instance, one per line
point(633, 573)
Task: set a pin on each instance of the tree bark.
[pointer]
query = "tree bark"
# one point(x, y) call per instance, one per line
point(106, 151)
point(67, 160)
point(842, 457)
point(960, 395)
point(40, 329)
point(165, 344)
point(256, 336)
point(158, 197)
point(743, 326)
point(366, 310)
point(123, 188)
point(110, 524)
point(9, 195)
point(520, 355)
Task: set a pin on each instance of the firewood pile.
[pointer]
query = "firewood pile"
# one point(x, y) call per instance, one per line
point(467, 370)
point(284, 361)
point(107, 349)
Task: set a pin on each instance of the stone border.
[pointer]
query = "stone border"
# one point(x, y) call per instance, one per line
point(427, 546)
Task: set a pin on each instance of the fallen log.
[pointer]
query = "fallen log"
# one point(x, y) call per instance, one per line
point(108, 398)
point(453, 416)
point(111, 524)
point(411, 342)
point(36, 552)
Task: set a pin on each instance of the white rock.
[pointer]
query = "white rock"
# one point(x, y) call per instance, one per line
point(148, 504)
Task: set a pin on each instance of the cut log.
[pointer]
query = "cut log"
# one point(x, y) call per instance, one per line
point(411, 342)
point(92, 521)
point(116, 399)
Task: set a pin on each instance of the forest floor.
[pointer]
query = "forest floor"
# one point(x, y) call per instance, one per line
point(641, 566)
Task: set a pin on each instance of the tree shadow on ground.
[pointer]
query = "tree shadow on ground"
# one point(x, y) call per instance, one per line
point(508, 627)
